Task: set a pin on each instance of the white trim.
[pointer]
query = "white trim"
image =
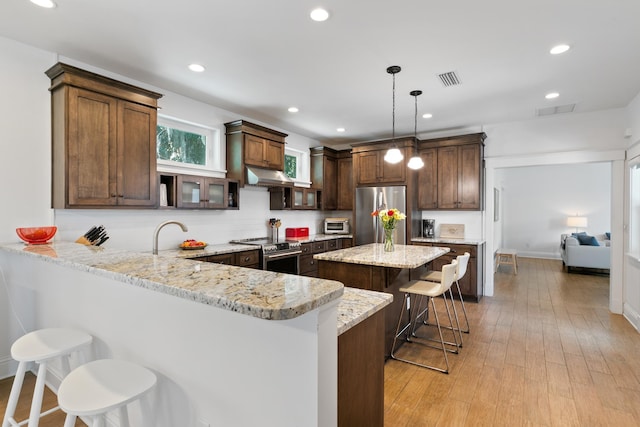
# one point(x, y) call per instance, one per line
point(302, 166)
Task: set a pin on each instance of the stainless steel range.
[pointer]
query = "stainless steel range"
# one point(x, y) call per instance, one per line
point(282, 256)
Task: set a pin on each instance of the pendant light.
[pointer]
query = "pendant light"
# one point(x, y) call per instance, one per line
point(416, 161)
point(394, 155)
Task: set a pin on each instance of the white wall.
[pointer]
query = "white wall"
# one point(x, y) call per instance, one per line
point(537, 200)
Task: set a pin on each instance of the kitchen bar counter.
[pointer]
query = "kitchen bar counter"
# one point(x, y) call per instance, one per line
point(256, 293)
point(357, 305)
point(463, 241)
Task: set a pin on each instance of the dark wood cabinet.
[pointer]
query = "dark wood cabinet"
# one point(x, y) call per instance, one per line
point(324, 169)
point(103, 141)
point(345, 191)
point(453, 176)
point(370, 168)
point(304, 198)
point(255, 145)
point(472, 283)
point(198, 192)
point(249, 259)
point(308, 265)
point(428, 180)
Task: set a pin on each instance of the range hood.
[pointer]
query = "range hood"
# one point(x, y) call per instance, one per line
point(267, 177)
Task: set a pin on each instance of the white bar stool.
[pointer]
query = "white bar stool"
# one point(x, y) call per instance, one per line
point(103, 385)
point(41, 346)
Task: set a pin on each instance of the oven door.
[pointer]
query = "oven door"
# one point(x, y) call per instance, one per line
point(287, 262)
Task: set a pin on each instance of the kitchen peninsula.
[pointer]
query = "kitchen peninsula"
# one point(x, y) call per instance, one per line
point(220, 338)
point(370, 267)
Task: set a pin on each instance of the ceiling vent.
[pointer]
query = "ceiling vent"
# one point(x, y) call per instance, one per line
point(449, 79)
point(549, 111)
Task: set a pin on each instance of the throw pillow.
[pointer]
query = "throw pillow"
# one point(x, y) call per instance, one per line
point(587, 240)
point(582, 233)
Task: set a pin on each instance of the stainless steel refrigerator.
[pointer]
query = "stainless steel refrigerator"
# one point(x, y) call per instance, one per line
point(369, 199)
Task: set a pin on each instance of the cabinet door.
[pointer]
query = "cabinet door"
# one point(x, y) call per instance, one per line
point(274, 154)
point(330, 184)
point(428, 180)
point(392, 173)
point(254, 151)
point(310, 198)
point(216, 193)
point(469, 177)
point(448, 177)
point(136, 155)
point(190, 191)
point(91, 145)
point(367, 172)
point(345, 185)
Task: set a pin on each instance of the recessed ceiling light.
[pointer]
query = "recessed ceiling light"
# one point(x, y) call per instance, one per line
point(561, 48)
point(319, 15)
point(293, 109)
point(552, 95)
point(196, 68)
point(44, 3)
point(427, 115)
point(340, 129)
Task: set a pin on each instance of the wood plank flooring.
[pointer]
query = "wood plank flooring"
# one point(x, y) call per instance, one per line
point(55, 419)
point(544, 351)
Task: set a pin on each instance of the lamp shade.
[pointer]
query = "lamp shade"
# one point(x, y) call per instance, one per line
point(577, 221)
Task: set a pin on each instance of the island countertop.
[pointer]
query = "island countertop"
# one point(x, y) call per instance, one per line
point(404, 256)
point(256, 293)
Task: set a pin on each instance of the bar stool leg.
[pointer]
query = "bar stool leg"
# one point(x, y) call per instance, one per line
point(444, 349)
point(464, 309)
point(70, 421)
point(455, 312)
point(38, 392)
point(99, 421)
point(15, 394)
point(124, 416)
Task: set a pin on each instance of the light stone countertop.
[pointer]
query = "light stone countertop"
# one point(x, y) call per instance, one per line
point(404, 256)
point(357, 305)
point(474, 242)
point(217, 249)
point(257, 293)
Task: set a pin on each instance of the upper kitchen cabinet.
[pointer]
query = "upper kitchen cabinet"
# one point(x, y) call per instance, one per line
point(459, 180)
point(345, 181)
point(249, 144)
point(370, 168)
point(103, 141)
point(324, 176)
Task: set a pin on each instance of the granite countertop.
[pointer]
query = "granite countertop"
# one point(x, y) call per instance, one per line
point(218, 249)
point(357, 305)
point(257, 293)
point(319, 237)
point(404, 256)
point(463, 241)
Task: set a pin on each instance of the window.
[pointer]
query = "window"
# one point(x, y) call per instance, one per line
point(296, 166)
point(182, 146)
point(290, 166)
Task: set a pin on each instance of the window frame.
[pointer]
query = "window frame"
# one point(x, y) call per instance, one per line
point(213, 166)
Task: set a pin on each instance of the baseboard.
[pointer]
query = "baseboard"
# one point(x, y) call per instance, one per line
point(632, 316)
point(8, 367)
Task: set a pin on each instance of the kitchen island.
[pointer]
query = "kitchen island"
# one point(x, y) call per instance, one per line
point(370, 267)
point(230, 345)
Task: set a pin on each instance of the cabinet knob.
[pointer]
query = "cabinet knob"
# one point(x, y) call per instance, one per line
point(246, 259)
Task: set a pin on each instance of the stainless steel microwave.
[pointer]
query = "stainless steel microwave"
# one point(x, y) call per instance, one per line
point(336, 226)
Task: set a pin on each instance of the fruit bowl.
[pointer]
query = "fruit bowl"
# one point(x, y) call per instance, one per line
point(192, 244)
point(36, 235)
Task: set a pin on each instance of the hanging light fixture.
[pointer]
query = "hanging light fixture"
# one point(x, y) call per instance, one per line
point(416, 161)
point(394, 155)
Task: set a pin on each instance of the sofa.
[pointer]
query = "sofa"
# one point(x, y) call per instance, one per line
point(585, 251)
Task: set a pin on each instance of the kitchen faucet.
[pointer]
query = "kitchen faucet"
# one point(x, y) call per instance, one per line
point(157, 231)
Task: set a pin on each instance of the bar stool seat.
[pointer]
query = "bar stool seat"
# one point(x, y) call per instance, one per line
point(41, 346)
point(103, 385)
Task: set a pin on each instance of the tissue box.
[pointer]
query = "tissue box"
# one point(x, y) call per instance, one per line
point(297, 232)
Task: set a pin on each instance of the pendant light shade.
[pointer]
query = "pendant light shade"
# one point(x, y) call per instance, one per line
point(394, 155)
point(416, 161)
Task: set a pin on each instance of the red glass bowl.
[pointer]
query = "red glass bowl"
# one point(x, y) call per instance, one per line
point(36, 235)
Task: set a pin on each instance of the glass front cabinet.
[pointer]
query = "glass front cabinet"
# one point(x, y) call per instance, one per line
point(198, 192)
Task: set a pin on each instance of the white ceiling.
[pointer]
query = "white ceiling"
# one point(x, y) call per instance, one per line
point(262, 57)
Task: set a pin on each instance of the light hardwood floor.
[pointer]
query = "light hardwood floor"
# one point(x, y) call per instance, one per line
point(544, 351)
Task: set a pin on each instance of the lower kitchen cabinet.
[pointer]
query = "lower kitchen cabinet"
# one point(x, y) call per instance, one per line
point(308, 265)
point(472, 284)
point(361, 374)
point(249, 259)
